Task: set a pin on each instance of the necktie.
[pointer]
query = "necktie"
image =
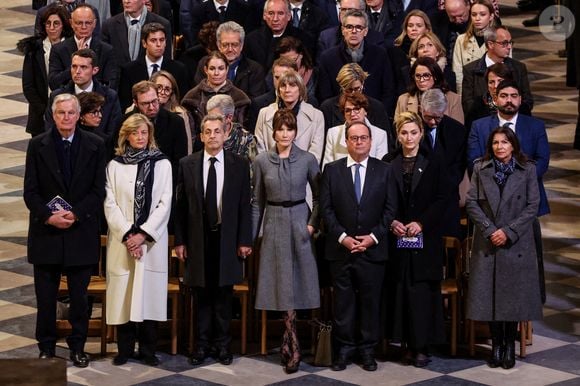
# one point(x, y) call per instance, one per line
point(155, 68)
point(66, 167)
point(134, 21)
point(295, 17)
point(376, 17)
point(433, 134)
point(232, 72)
point(210, 195)
point(508, 125)
point(357, 183)
point(222, 13)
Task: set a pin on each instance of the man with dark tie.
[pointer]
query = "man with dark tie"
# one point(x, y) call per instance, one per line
point(83, 22)
point(213, 234)
point(355, 208)
point(64, 189)
point(154, 40)
point(531, 133)
point(308, 17)
point(447, 138)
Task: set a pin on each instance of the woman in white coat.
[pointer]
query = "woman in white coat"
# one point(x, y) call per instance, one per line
point(137, 208)
point(291, 94)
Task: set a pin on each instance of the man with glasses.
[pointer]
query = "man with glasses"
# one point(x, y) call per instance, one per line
point(154, 40)
point(169, 127)
point(355, 48)
point(499, 44)
point(451, 23)
point(83, 72)
point(261, 43)
point(446, 138)
point(354, 204)
point(83, 22)
point(246, 74)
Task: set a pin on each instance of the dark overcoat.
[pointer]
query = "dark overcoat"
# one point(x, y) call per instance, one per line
point(503, 282)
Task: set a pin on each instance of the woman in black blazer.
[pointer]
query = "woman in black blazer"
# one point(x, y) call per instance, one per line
point(419, 192)
point(54, 28)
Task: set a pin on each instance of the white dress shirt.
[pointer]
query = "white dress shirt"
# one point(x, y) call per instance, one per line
point(219, 173)
point(150, 64)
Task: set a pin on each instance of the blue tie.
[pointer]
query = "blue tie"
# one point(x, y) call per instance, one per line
point(357, 184)
point(295, 18)
point(433, 136)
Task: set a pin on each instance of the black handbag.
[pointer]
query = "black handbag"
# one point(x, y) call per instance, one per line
point(323, 347)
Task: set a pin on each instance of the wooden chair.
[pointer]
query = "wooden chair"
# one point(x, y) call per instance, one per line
point(98, 288)
point(174, 292)
point(451, 284)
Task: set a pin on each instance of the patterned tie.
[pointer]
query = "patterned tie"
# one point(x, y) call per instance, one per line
point(295, 17)
point(508, 125)
point(222, 13)
point(210, 195)
point(357, 183)
point(155, 68)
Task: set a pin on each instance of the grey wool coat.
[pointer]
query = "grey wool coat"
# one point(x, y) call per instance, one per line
point(287, 277)
point(503, 281)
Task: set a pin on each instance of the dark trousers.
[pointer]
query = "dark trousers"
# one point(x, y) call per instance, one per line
point(357, 298)
point(145, 332)
point(46, 283)
point(214, 302)
point(537, 229)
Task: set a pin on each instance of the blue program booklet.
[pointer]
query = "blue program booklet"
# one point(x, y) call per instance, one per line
point(410, 241)
point(58, 203)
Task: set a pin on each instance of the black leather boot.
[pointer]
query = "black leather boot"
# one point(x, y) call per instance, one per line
point(509, 357)
point(497, 344)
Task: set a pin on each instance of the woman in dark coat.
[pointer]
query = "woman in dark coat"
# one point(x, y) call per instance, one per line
point(420, 192)
point(54, 28)
point(503, 284)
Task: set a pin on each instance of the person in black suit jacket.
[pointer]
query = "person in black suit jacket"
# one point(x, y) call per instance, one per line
point(68, 163)
point(354, 203)
point(213, 234)
point(246, 74)
point(154, 40)
point(450, 146)
point(419, 192)
point(234, 10)
point(123, 31)
point(83, 71)
point(83, 22)
point(309, 18)
point(331, 9)
point(451, 23)
point(261, 43)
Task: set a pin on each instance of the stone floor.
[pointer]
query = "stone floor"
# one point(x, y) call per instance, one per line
point(554, 357)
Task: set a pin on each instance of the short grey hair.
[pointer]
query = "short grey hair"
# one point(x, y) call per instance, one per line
point(362, 4)
point(286, 1)
point(434, 101)
point(355, 13)
point(490, 34)
point(63, 98)
point(223, 102)
point(230, 26)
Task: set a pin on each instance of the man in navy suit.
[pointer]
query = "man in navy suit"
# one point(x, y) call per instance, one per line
point(69, 163)
point(154, 40)
point(531, 133)
point(83, 22)
point(213, 234)
point(355, 208)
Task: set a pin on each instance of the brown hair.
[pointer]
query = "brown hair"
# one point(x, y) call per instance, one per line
point(131, 124)
point(512, 139)
point(284, 117)
point(415, 12)
point(357, 99)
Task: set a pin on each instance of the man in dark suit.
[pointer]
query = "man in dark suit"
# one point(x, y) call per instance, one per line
point(64, 240)
point(169, 127)
point(354, 205)
point(246, 74)
point(355, 48)
point(213, 234)
point(331, 37)
point(499, 45)
point(83, 23)
point(531, 133)
point(261, 44)
point(307, 17)
point(154, 40)
point(447, 139)
point(331, 9)
point(123, 31)
point(83, 72)
point(450, 23)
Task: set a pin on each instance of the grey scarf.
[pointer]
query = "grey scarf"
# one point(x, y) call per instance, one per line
point(357, 53)
point(134, 35)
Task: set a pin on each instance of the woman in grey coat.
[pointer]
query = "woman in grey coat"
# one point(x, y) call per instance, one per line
point(503, 283)
point(288, 277)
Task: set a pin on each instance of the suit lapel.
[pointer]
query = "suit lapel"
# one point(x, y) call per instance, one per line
point(489, 187)
point(48, 154)
point(420, 167)
point(196, 171)
point(347, 177)
point(514, 183)
point(85, 148)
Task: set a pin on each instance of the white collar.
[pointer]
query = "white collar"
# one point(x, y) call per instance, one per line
point(89, 88)
point(350, 162)
point(219, 156)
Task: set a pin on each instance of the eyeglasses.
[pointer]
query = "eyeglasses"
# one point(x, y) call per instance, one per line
point(154, 102)
point(505, 43)
point(80, 23)
point(348, 110)
point(354, 28)
point(164, 90)
point(53, 24)
point(234, 45)
point(96, 113)
point(422, 77)
point(437, 118)
point(356, 138)
point(348, 9)
point(351, 90)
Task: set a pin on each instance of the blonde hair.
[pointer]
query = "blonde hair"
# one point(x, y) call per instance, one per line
point(408, 117)
point(414, 49)
point(471, 28)
point(349, 73)
point(415, 12)
point(130, 125)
